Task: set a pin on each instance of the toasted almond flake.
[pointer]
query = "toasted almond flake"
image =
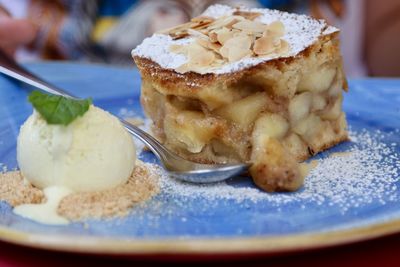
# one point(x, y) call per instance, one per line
point(215, 47)
point(250, 26)
point(204, 31)
point(219, 57)
point(276, 41)
point(236, 48)
point(224, 51)
point(224, 21)
point(223, 35)
point(276, 28)
point(197, 34)
point(200, 25)
point(179, 35)
point(241, 40)
point(206, 43)
point(203, 42)
point(218, 61)
point(264, 45)
point(237, 53)
point(233, 22)
point(182, 68)
point(202, 19)
point(284, 48)
point(178, 49)
point(213, 37)
point(247, 15)
point(219, 23)
point(199, 56)
point(175, 29)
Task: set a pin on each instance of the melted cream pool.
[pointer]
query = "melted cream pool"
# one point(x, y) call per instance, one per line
point(46, 212)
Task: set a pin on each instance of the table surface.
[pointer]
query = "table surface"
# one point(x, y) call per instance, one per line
point(379, 252)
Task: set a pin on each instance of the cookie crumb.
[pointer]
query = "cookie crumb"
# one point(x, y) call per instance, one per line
point(15, 190)
point(115, 202)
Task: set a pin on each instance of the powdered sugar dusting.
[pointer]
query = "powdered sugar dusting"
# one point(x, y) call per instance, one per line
point(367, 173)
point(301, 32)
point(156, 48)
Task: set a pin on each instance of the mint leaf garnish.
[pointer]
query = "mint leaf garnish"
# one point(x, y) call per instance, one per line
point(58, 109)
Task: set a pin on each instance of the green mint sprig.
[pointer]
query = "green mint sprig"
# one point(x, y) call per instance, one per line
point(58, 109)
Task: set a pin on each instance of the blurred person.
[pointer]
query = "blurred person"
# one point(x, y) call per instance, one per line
point(370, 34)
point(15, 33)
point(382, 36)
point(100, 31)
point(106, 30)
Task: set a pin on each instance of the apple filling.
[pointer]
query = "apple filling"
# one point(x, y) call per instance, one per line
point(256, 125)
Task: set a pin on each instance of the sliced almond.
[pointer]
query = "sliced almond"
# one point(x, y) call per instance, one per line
point(236, 48)
point(218, 62)
point(215, 47)
point(200, 25)
point(284, 48)
point(219, 23)
point(182, 68)
point(213, 37)
point(206, 43)
point(175, 29)
point(202, 19)
point(224, 51)
point(276, 41)
point(178, 49)
point(203, 42)
point(247, 15)
point(276, 28)
point(225, 21)
point(179, 35)
point(199, 56)
point(250, 26)
point(238, 53)
point(264, 45)
point(231, 23)
point(197, 34)
point(204, 31)
point(223, 35)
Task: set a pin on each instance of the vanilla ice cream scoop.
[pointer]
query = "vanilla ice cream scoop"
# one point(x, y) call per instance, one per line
point(94, 152)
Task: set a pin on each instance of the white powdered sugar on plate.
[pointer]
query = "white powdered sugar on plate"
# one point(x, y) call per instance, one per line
point(366, 173)
point(301, 32)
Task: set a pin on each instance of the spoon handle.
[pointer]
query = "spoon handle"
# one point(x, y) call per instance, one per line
point(10, 67)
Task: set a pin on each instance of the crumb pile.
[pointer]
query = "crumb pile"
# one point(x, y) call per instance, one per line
point(115, 202)
point(16, 191)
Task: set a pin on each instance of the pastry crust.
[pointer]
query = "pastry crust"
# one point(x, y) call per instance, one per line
point(273, 114)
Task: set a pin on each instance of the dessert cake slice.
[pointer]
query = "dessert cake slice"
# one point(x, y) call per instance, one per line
point(246, 85)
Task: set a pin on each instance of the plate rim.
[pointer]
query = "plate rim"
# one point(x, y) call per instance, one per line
point(218, 246)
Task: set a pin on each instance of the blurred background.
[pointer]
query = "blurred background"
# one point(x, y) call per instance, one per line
point(106, 30)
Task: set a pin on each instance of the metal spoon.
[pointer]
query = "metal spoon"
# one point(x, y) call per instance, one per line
point(176, 166)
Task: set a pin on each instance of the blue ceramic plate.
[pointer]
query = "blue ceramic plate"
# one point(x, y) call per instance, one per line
point(347, 198)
